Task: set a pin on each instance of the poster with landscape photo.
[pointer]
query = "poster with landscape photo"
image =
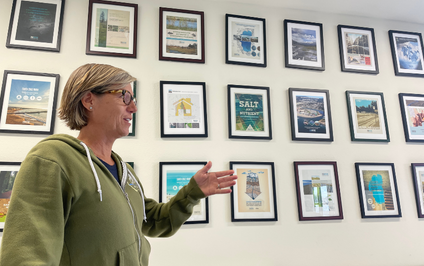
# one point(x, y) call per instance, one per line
point(28, 102)
point(8, 173)
point(181, 36)
point(310, 115)
point(367, 116)
point(304, 45)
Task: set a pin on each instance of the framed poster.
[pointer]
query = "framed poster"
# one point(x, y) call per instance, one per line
point(8, 172)
point(181, 35)
point(249, 112)
point(367, 116)
point(318, 191)
point(358, 51)
point(407, 53)
point(112, 29)
point(245, 39)
point(378, 193)
point(418, 179)
point(131, 164)
point(412, 109)
point(36, 25)
point(175, 175)
point(28, 102)
point(253, 198)
point(183, 109)
point(304, 45)
point(310, 115)
point(132, 122)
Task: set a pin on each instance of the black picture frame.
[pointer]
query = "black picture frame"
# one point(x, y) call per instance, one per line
point(179, 174)
point(367, 105)
point(418, 180)
point(193, 50)
point(177, 126)
point(8, 171)
point(134, 115)
point(28, 102)
point(261, 204)
point(357, 61)
point(307, 122)
point(258, 102)
point(123, 41)
point(294, 54)
point(409, 66)
point(43, 33)
point(320, 186)
point(379, 178)
point(239, 53)
point(412, 110)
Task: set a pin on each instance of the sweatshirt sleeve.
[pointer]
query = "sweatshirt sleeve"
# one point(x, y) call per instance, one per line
point(38, 210)
point(164, 219)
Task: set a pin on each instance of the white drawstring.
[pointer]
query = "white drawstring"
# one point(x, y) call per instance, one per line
point(99, 187)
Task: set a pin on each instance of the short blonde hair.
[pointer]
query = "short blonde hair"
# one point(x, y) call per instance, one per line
point(97, 78)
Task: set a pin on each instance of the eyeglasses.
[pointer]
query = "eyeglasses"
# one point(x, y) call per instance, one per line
point(126, 96)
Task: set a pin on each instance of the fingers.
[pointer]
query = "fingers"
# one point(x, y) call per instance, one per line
point(223, 173)
point(206, 168)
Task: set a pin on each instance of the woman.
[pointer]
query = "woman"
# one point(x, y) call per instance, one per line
point(75, 202)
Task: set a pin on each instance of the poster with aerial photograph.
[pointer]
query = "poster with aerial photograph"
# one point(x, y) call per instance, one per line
point(412, 109)
point(378, 193)
point(249, 112)
point(318, 191)
point(407, 53)
point(304, 45)
point(183, 109)
point(36, 25)
point(245, 41)
point(310, 115)
point(181, 35)
point(357, 49)
point(418, 180)
point(367, 116)
point(28, 102)
point(173, 176)
point(253, 197)
point(8, 173)
point(112, 29)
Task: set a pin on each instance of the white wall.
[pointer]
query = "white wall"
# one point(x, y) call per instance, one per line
point(352, 241)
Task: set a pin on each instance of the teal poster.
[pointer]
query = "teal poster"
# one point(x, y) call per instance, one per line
point(175, 180)
point(249, 112)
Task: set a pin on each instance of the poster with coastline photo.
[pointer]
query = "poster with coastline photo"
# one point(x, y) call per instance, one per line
point(412, 109)
point(28, 102)
point(36, 25)
point(173, 177)
point(407, 53)
point(245, 41)
point(249, 112)
point(367, 116)
point(357, 49)
point(418, 179)
point(310, 114)
point(304, 45)
point(183, 109)
point(318, 191)
point(378, 192)
point(181, 35)
point(112, 29)
point(253, 197)
point(8, 173)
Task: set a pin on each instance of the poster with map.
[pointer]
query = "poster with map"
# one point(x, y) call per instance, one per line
point(245, 41)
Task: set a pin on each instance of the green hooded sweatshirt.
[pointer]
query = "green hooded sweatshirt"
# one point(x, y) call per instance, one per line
point(61, 214)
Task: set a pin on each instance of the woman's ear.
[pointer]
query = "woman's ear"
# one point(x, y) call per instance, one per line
point(87, 101)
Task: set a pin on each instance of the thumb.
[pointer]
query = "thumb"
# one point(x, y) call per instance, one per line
point(206, 168)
